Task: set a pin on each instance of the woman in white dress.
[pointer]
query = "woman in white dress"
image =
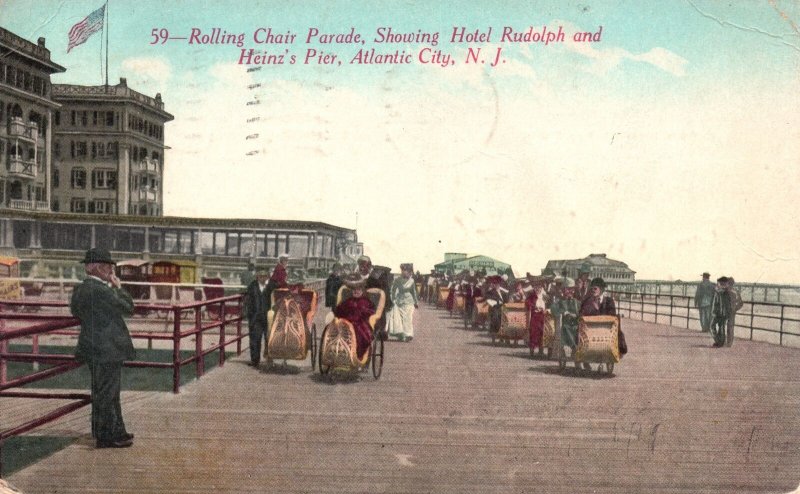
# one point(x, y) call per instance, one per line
point(405, 299)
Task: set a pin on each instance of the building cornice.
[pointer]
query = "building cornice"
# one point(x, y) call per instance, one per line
point(118, 94)
point(19, 93)
point(35, 53)
point(288, 226)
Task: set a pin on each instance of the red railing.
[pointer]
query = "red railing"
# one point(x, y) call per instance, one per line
point(66, 325)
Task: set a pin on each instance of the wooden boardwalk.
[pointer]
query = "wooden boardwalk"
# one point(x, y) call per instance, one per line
point(452, 413)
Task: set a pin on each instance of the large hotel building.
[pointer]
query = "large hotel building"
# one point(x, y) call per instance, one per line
point(108, 150)
point(26, 113)
point(83, 166)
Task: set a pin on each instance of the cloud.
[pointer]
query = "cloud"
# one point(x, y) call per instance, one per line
point(664, 60)
point(609, 58)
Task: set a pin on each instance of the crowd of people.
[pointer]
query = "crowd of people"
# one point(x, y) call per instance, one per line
point(560, 295)
point(717, 306)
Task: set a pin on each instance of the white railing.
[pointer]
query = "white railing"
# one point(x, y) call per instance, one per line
point(18, 128)
point(146, 166)
point(20, 167)
point(147, 195)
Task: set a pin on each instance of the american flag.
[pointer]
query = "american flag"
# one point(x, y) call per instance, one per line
point(81, 31)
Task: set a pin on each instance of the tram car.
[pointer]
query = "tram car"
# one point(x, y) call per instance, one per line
point(173, 272)
point(10, 288)
point(292, 331)
point(598, 343)
point(337, 345)
point(137, 271)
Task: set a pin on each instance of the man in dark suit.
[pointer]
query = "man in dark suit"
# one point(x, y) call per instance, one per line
point(332, 285)
point(257, 303)
point(104, 343)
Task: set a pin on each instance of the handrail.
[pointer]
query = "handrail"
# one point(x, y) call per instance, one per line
point(683, 311)
point(62, 363)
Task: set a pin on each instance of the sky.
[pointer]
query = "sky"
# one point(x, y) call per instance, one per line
point(672, 142)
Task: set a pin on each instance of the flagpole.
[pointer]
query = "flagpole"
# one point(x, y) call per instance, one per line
point(106, 30)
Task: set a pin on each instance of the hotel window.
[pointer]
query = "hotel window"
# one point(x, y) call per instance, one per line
point(99, 207)
point(232, 244)
point(72, 117)
point(246, 245)
point(207, 242)
point(78, 178)
point(260, 244)
point(58, 119)
point(298, 245)
point(104, 179)
point(80, 149)
point(171, 241)
point(271, 245)
point(94, 118)
point(55, 206)
point(77, 205)
point(84, 118)
point(109, 119)
point(57, 149)
point(219, 243)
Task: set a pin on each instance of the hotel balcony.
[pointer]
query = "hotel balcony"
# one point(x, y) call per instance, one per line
point(19, 168)
point(28, 205)
point(18, 128)
point(145, 195)
point(146, 166)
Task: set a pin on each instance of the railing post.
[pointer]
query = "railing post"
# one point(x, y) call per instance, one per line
point(641, 312)
point(655, 316)
point(222, 334)
point(671, 306)
point(35, 350)
point(200, 363)
point(3, 349)
point(688, 311)
point(752, 309)
point(782, 314)
point(176, 354)
point(222, 345)
point(239, 328)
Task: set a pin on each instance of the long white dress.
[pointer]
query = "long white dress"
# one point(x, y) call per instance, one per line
point(404, 297)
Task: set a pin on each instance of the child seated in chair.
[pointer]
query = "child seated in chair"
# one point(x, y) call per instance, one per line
point(357, 310)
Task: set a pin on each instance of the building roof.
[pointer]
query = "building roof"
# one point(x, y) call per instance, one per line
point(476, 261)
point(34, 52)
point(120, 92)
point(174, 221)
point(600, 260)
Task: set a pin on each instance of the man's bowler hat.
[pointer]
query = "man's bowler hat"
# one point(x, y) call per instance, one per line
point(598, 282)
point(97, 255)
